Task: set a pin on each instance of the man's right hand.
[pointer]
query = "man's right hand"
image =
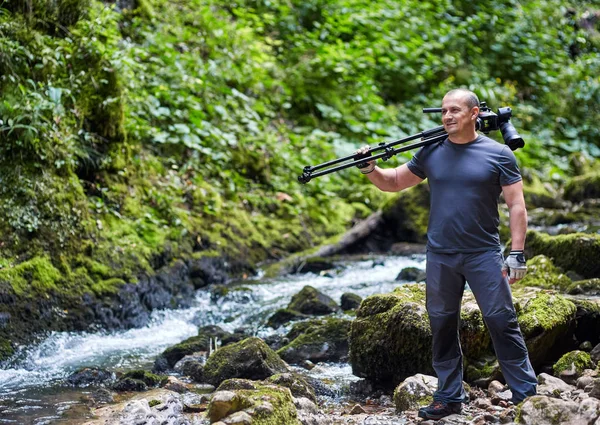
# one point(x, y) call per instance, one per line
point(365, 167)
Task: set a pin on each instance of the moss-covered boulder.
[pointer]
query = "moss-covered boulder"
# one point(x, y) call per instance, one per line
point(541, 409)
point(414, 391)
point(578, 252)
point(542, 273)
point(249, 359)
point(583, 187)
point(138, 380)
point(571, 365)
point(391, 338)
point(201, 342)
point(538, 195)
point(586, 287)
point(263, 404)
point(317, 340)
point(311, 301)
point(544, 318)
point(296, 384)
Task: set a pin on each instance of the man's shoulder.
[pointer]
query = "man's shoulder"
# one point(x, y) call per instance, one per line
point(491, 144)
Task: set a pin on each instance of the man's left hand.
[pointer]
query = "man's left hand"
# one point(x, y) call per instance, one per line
point(515, 266)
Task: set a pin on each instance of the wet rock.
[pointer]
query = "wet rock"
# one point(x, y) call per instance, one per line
point(552, 386)
point(537, 410)
point(90, 375)
point(175, 385)
point(102, 396)
point(296, 384)
point(412, 274)
point(583, 381)
point(317, 340)
point(414, 391)
point(350, 301)
point(192, 366)
point(314, 265)
point(194, 403)
point(313, 302)
point(250, 359)
point(283, 316)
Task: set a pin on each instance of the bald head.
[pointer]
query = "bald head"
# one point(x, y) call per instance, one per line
point(469, 98)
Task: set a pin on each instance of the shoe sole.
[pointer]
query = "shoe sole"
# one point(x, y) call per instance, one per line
point(424, 415)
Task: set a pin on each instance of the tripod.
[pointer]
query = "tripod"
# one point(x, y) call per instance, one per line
point(427, 137)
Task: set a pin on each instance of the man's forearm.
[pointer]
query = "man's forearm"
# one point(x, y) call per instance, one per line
point(518, 226)
point(384, 178)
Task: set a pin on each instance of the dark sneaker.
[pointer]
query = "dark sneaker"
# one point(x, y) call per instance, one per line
point(438, 410)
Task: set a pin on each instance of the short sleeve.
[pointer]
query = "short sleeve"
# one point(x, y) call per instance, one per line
point(509, 170)
point(416, 166)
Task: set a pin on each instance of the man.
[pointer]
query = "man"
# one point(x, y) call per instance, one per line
point(466, 174)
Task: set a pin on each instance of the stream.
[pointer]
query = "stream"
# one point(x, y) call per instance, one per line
point(32, 389)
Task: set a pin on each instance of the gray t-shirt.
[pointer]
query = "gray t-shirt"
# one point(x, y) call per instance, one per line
point(465, 182)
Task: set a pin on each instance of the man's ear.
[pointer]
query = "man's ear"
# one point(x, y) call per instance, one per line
point(475, 112)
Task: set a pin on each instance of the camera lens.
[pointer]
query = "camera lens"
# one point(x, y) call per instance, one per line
point(510, 136)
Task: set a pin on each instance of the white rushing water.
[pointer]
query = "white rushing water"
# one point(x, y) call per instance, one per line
point(44, 365)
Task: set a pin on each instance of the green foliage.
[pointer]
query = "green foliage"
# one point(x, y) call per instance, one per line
point(129, 138)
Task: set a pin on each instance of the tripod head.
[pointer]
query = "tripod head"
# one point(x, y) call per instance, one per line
point(486, 121)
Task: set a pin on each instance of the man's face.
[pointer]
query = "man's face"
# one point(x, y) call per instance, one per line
point(457, 117)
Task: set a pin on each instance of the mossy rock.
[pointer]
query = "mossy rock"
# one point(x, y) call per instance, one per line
point(577, 360)
point(138, 380)
point(586, 286)
point(542, 273)
point(578, 252)
point(296, 383)
point(414, 391)
point(390, 339)
point(319, 340)
point(263, 405)
point(6, 349)
point(194, 344)
point(544, 318)
point(249, 359)
point(583, 187)
point(538, 196)
point(311, 301)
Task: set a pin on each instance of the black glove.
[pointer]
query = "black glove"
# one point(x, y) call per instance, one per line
point(365, 167)
point(515, 265)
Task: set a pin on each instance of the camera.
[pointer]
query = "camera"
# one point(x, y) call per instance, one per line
point(489, 121)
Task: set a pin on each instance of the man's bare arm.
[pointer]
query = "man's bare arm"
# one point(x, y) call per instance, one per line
point(393, 179)
point(513, 194)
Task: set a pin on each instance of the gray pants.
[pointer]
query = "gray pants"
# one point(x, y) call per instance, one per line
point(446, 276)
